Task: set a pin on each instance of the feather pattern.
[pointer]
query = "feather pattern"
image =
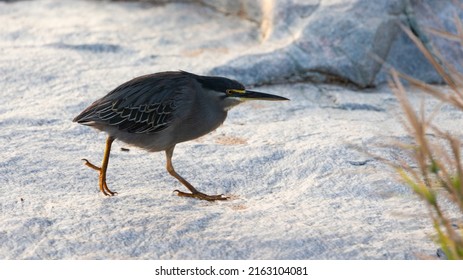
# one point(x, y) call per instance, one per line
point(146, 104)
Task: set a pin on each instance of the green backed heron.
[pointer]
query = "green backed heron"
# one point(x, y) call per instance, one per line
point(156, 112)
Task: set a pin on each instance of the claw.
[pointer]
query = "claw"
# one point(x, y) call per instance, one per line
point(109, 193)
point(92, 166)
point(106, 191)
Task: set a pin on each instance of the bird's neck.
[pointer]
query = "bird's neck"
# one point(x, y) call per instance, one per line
point(231, 102)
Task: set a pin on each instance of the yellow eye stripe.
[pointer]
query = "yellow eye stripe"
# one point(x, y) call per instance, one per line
point(231, 91)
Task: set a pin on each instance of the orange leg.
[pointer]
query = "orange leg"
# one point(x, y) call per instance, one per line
point(104, 166)
point(194, 192)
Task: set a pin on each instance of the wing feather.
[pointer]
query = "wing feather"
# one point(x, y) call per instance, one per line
point(147, 104)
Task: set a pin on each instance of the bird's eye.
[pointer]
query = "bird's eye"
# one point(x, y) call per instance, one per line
point(235, 91)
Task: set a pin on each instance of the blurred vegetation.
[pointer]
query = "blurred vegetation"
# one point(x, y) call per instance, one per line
point(433, 168)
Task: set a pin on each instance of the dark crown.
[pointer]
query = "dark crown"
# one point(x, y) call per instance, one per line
point(219, 84)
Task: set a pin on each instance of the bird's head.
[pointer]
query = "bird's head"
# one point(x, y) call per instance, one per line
point(232, 92)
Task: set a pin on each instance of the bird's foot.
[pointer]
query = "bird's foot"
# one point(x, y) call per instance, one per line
point(103, 186)
point(106, 191)
point(200, 195)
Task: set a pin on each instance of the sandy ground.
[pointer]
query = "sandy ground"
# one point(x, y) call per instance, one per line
point(299, 190)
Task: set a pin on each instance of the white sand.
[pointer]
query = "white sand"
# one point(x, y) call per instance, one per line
point(300, 191)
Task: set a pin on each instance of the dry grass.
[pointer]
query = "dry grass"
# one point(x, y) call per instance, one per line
point(436, 168)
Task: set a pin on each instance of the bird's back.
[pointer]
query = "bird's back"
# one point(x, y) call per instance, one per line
point(144, 105)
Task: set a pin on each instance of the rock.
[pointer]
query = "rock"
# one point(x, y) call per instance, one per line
point(422, 17)
point(336, 41)
point(441, 254)
point(345, 41)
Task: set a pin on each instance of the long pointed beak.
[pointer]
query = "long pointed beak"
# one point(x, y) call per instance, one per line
point(248, 94)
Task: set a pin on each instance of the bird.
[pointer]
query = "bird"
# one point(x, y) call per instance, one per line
point(157, 111)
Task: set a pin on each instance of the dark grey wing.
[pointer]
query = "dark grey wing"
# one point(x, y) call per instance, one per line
point(147, 118)
point(146, 104)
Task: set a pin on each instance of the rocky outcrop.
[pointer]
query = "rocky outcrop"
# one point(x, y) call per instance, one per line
point(345, 41)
